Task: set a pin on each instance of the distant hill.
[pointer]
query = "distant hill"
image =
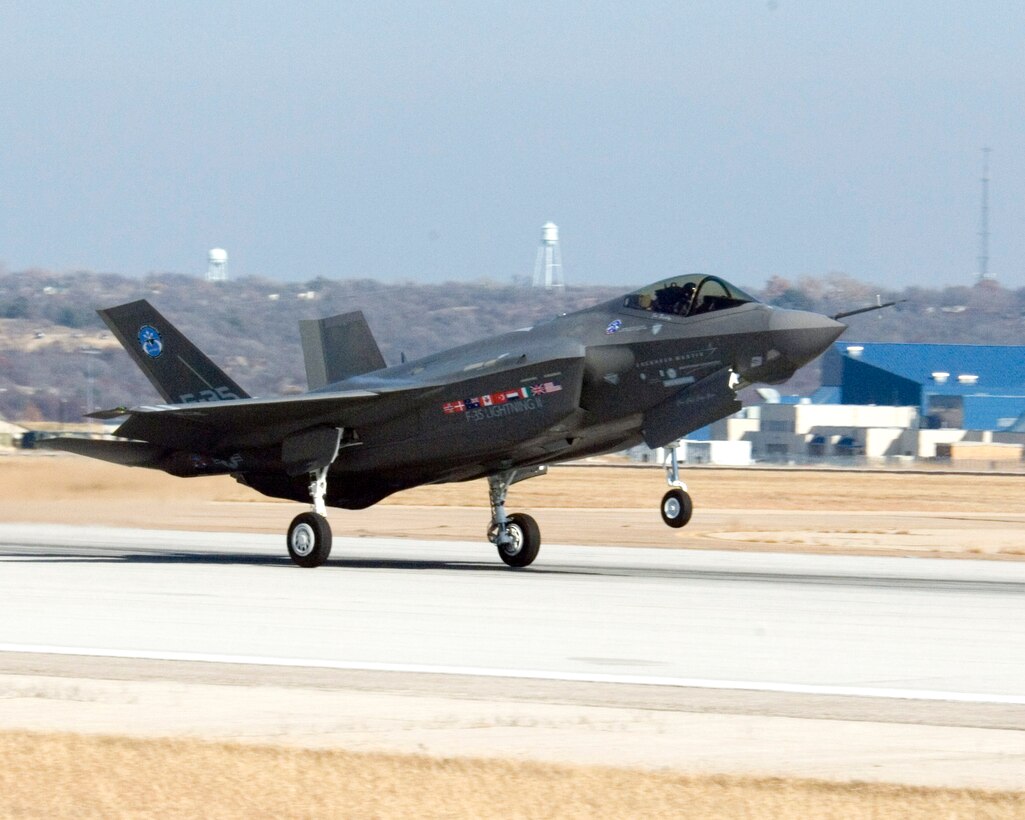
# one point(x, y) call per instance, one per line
point(57, 358)
point(56, 354)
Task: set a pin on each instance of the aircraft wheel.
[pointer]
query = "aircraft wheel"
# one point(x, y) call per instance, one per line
point(309, 539)
point(677, 508)
point(526, 541)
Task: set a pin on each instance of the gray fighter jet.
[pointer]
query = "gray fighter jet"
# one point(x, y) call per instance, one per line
point(650, 366)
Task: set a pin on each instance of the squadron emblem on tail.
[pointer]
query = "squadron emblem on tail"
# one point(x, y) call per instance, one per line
point(149, 338)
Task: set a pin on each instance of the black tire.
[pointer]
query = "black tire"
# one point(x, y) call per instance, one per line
point(309, 539)
point(677, 508)
point(526, 541)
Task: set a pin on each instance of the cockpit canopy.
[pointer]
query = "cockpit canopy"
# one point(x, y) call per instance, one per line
point(688, 295)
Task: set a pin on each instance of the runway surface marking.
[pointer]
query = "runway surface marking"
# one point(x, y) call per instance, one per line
point(530, 674)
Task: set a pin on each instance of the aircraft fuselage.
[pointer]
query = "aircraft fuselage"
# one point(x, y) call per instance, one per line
point(577, 385)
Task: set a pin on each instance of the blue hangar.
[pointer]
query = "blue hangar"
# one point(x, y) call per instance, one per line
point(969, 387)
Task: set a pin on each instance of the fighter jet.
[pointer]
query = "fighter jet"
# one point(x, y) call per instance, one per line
point(649, 366)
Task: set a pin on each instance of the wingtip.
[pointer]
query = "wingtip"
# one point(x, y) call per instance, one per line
point(113, 413)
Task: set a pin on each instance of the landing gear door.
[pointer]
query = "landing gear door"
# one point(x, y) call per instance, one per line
point(310, 450)
point(703, 402)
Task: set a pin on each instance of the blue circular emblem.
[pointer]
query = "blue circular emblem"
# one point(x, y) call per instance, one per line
point(149, 338)
point(614, 325)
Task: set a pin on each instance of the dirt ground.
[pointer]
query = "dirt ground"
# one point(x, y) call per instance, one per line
point(900, 513)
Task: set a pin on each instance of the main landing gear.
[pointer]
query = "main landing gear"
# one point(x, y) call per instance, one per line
point(516, 536)
point(309, 534)
point(677, 506)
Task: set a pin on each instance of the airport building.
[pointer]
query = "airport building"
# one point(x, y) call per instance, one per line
point(969, 387)
point(895, 403)
point(10, 434)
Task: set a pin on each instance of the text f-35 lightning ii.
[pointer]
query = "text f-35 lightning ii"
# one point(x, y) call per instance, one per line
point(650, 366)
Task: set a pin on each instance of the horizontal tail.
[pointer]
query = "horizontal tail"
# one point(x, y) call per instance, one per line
point(129, 453)
point(178, 369)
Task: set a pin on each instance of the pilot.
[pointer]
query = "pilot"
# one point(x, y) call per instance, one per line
point(683, 303)
point(666, 299)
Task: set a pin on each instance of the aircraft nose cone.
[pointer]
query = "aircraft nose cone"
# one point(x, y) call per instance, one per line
point(801, 336)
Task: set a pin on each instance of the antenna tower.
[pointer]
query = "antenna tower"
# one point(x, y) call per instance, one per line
point(984, 220)
point(548, 264)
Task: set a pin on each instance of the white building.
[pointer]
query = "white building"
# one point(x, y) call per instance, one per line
point(805, 430)
point(720, 453)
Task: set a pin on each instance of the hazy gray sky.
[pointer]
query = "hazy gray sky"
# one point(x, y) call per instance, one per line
point(432, 140)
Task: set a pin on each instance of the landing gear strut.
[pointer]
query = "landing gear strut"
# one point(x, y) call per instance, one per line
point(309, 535)
point(516, 536)
point(312, 452)
point(677, 506)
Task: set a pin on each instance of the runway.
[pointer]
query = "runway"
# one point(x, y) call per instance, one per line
point(739, 636)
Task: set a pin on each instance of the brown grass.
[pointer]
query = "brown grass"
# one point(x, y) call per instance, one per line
point(79, 776)
point(33, 480)
point(750, 489)
point(578, 505)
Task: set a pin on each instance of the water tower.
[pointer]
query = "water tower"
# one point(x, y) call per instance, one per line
point(548, 265)
point(217, 265)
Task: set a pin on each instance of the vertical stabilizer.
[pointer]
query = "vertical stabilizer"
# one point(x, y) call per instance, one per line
point(338, 348)
point(178, 369)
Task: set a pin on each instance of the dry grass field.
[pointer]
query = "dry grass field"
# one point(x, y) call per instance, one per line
point(31, 482)
point(930, 514)
point(69, 776)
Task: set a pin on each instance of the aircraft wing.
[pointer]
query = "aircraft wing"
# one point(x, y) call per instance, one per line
point(244, 422)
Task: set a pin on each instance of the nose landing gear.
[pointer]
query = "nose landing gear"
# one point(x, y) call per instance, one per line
point(677, 506)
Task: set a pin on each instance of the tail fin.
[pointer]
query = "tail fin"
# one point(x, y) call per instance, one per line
point(338, 347)
point(177, 368)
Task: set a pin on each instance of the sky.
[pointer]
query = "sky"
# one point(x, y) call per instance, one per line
point(430, 141)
